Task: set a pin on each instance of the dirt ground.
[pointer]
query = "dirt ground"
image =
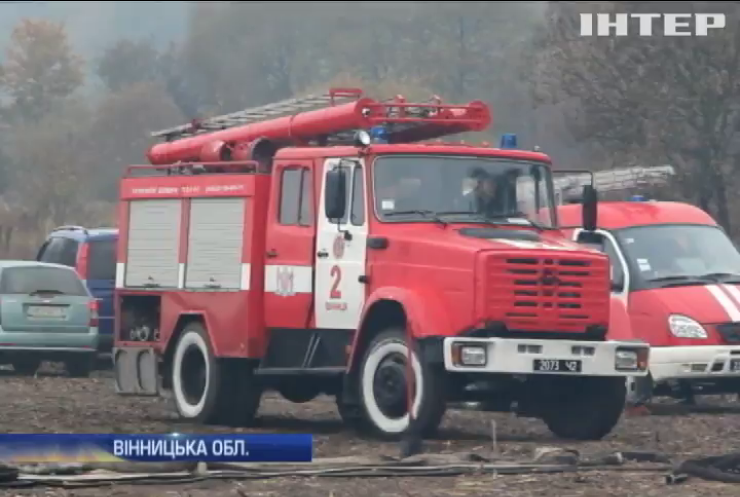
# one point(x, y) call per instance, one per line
point(54, 403)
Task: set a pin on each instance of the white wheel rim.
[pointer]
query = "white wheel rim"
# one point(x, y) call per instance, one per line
point(187, 340)
point(383, 422)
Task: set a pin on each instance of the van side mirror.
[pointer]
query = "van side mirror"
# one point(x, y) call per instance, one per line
point(335, 193)
point(589, 208)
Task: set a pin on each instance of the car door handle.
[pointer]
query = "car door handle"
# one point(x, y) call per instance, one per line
point(322, 254)
point(271, 253)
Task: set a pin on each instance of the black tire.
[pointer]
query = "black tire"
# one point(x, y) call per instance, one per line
point(240, 393)
point(80, 367)
point(26, 366)
point(351, 414)
point(391, 420)
point(208, 390)
point(298, 393)
point(590, 411)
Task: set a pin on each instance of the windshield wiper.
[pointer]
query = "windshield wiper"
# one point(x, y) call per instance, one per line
point(679, 280)
point(422, 212)
point(495, 220)
point(733, 278)
point(45, 292)
point(534, 224)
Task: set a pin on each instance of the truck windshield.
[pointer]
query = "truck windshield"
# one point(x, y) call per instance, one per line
point(675, 255)
point(464, 189)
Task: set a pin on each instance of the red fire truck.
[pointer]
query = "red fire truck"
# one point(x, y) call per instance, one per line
point(299, 247)
point(677, 272)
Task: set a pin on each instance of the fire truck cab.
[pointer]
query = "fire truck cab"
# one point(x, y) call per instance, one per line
point(677, 272)
point(303, 254)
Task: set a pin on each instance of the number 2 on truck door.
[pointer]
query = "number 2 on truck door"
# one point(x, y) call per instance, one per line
point(340, 262)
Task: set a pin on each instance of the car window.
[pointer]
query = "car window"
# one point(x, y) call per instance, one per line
point(30, 279)
point(357, 213)
point(60, 250)
point(102, 260)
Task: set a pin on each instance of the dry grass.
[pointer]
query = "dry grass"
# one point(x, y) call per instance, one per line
point(58, 404)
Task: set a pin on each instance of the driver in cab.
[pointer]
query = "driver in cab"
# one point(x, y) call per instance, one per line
point(482, 198)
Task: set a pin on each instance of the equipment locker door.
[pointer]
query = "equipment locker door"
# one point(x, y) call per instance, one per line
point(215, 240)
point(153, 243)
point(340, 260)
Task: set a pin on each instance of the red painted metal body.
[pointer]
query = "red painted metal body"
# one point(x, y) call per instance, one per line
point(454, 300)
point(240, 311)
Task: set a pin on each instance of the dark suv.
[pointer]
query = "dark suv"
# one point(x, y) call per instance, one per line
point(92, 252)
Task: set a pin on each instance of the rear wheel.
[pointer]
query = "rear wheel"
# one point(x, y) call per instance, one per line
point(589, 411)
point(26, 366)
point(383, 390)
point(209, 390)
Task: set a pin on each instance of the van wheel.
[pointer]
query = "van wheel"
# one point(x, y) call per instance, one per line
point(590, 412)
point(382, 388)
point(26, 366)
point(208, 390)
point(80, 367)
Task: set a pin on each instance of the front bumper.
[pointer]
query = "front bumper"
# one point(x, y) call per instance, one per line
point(518, 355)
point(694, 362)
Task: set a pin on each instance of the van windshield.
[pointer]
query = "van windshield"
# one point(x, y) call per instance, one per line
point(673, 255)
point(465, 189)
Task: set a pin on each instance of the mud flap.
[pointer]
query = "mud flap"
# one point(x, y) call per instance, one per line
point(639, 390)
point(136, 371)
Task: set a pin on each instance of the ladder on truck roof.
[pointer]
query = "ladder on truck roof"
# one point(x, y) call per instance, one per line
point(287, 107)
point(328, 119)
point(613, 179)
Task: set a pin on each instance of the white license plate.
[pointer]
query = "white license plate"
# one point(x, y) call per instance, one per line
point(45, 312)
point(557, 366)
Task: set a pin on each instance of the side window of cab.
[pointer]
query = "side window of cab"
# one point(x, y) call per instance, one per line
point(604, 244)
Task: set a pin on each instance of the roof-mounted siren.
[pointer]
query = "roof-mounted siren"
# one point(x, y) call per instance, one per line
point(508, 140)
point(379, 134)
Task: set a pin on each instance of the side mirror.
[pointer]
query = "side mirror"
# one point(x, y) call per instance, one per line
point(335, 191)
point(589, 208)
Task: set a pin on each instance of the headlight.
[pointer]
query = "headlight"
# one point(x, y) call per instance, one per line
point(469, 355)
point(685, 327)
point(625, 360)
point(631, 359)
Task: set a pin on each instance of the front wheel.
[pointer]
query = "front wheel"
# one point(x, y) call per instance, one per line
point(383, 390)
point(590, 410)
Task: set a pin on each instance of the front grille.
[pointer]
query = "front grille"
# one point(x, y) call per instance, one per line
point(549, 291)
point(730, 332)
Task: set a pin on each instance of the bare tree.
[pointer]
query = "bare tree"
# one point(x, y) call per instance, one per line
point(651, 99)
